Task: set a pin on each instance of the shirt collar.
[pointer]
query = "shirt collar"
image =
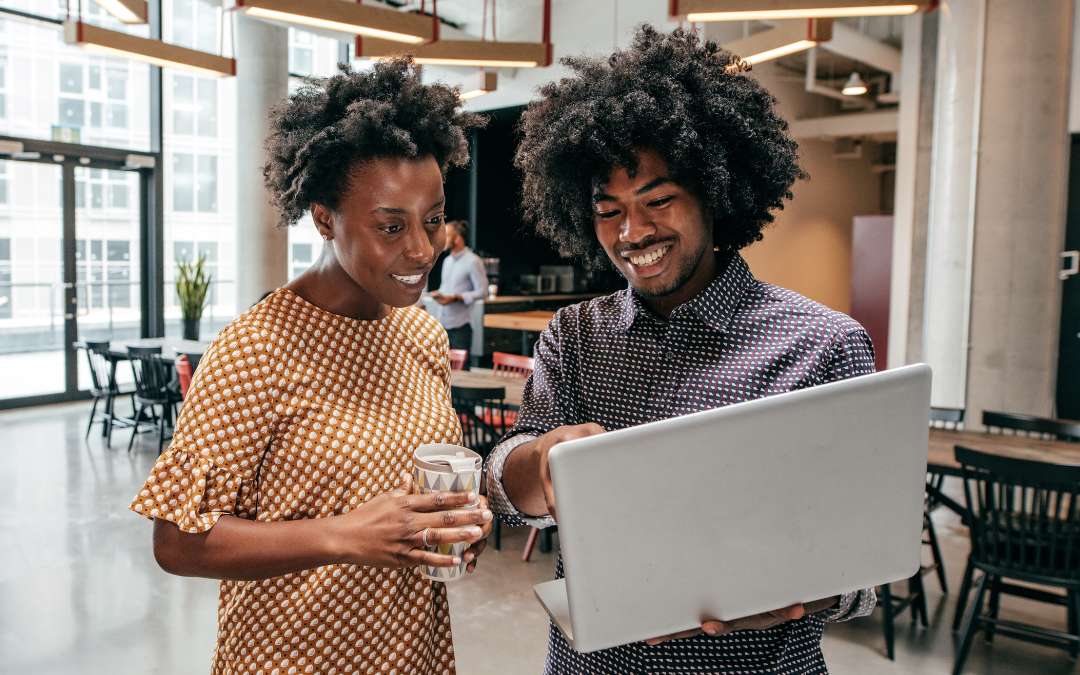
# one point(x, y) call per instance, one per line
point(460, 253)
point(714, 306)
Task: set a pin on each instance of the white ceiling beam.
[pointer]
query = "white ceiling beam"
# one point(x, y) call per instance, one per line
point(847, 41)
point(881, 125)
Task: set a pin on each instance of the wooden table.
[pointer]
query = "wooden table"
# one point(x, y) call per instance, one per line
point(526, 322)
point(941, 459)
point(484, 377)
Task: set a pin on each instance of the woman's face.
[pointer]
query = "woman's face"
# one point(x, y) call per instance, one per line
point(387, 230)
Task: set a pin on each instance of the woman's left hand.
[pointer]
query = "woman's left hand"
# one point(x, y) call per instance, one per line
point(474, 551)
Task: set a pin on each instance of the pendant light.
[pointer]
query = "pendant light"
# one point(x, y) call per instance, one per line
point(854, 86)
point(749, 10)
point(480, 53)
point(786, 39)
point(348, 17)
point(480, 83)
point(128, 11)
point(155, 52)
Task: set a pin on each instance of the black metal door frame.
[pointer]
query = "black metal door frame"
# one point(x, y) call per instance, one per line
point(151, 243)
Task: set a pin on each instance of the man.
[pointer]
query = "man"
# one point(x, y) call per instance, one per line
point(664, 161)
point(464, 281)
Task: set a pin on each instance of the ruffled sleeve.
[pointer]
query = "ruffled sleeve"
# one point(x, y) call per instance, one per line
point(222, 432)
point(188, 490)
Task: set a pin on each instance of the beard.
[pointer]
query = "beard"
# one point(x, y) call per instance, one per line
point(683, 271)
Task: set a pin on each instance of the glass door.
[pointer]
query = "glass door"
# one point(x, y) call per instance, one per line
point(106, 261)
point(70, 242)
point(32, 289)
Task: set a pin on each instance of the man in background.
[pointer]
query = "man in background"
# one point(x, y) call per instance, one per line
point(464, 281)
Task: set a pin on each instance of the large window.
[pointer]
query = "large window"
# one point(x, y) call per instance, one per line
point(194, 183)
point(194, 106)
point(5, 278)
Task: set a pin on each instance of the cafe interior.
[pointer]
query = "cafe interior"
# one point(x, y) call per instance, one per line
point(942, 212)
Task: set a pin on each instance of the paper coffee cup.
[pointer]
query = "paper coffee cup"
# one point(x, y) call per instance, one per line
point(441, 467)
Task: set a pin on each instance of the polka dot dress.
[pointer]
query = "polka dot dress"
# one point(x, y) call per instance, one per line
point(298, 413)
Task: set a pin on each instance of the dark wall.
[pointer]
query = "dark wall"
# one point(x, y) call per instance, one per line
point(500, 231)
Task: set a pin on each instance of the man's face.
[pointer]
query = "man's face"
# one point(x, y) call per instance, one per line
point(656, 232)
point(452, 237)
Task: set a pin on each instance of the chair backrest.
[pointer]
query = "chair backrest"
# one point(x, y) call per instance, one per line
point(457, 358)
point(481, 412)
point(1023, 515)
point(97, 353)
point(1028, 425)
point(512, 365)
point(151, 375)
point(947, 418)
point(183, 373)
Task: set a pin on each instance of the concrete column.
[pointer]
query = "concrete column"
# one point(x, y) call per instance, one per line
point(1020, 207)
point(954, 172)
point(262, 79)
point(907, 156)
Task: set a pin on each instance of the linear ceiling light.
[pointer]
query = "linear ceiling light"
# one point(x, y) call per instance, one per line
point(749, 10)
point(154, 52)
point(462, 53)
point(477, 84)
point(128, 11)
point(348, 17)
point(786, 39)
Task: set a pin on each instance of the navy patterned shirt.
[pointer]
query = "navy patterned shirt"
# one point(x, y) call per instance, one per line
point(614, 362)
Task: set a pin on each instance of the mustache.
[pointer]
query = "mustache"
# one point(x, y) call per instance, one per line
point(642, 245)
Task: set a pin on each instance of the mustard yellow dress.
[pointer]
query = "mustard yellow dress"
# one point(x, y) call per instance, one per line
point(299, 413)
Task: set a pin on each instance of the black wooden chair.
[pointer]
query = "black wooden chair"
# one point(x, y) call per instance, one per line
point(1033, 427)
point(152, 389)
point(915, 600)
point(104, 386)
point(482, 414)
point(1024, 518)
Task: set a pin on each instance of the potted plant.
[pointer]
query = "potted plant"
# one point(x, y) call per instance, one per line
point(192, 283)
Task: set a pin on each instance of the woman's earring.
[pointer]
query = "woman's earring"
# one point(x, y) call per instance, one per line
point(324, 237)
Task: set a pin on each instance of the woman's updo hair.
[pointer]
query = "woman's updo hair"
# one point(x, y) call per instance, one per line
point(325, 128)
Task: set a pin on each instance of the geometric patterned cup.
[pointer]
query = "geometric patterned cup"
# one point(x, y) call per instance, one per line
point(441, 467)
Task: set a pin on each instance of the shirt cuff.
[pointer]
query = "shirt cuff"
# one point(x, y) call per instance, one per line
point(499, 503)
point(851, 606)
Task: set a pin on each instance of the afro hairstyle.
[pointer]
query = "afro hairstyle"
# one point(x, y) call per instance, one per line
point(330, 125)
point(717, 129)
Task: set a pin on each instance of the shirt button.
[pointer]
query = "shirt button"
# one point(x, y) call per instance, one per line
point(669, 355)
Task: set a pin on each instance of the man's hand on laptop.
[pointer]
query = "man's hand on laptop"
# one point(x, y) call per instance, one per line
point(755, 622)
point(529, 461)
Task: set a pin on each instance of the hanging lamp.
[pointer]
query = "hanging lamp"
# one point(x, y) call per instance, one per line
point(347, 17)
point(749, 10)
point(479, 53)
point(479, 83)
point(854, 86)
point(786, 39)
point(154, 52)
point(128, 11)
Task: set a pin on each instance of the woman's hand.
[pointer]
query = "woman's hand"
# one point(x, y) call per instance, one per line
point(389, 530)
point(474, 551)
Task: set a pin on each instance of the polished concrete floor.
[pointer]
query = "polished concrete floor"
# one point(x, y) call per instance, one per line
point(80, 592)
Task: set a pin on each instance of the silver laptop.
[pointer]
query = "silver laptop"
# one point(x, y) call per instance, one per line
point(740, 510)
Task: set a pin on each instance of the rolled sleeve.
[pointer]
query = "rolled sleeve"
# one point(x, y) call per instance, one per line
point(499, 502)
point(851, 606)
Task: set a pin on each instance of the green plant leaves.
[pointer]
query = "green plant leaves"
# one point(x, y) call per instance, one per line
point(192, 283)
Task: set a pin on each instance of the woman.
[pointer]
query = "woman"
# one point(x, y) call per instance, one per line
point(311, 403)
